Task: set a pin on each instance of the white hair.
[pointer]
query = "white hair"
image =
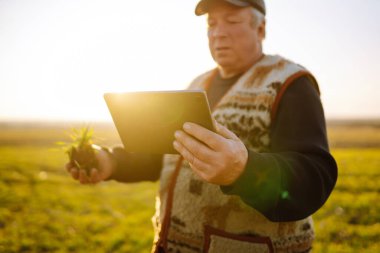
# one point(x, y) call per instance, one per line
point(257, 17)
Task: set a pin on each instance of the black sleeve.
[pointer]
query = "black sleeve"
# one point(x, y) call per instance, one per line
point(134, 167)
point(296, 177)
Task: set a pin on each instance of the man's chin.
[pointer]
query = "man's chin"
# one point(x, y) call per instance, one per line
point(224, 61)
point(225, 64)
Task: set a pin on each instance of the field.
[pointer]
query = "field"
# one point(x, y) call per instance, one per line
point(43, 210)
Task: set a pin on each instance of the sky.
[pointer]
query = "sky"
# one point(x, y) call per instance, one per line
point(58, 57)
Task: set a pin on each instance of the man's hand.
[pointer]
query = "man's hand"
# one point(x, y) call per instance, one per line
point(218, 158)
point(105, 170)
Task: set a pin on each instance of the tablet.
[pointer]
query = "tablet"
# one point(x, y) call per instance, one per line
point(146, 121)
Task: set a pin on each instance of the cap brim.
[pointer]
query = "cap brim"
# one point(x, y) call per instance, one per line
point(203, 6)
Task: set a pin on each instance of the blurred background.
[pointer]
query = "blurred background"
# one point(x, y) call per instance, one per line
point(58, 58)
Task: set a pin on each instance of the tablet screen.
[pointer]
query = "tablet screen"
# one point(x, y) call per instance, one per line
point(146, 121)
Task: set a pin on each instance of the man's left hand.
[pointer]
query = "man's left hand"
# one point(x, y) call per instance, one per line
point(219, 158)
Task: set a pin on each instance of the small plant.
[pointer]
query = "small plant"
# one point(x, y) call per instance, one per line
point(81, 150)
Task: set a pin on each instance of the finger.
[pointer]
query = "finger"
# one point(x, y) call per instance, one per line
point(211, 139)
point(196, 164)
point(74, 173)
point(198, 149)
point(94, 176)
point(83, 177)
point(225, 132)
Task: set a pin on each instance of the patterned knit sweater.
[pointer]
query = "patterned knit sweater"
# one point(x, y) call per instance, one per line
point(195, 216)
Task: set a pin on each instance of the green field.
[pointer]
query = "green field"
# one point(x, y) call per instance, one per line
point(43, 210)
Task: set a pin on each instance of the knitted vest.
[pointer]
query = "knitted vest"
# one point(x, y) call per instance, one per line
point(195, 216)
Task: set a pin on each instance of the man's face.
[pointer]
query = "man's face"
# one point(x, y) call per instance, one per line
point(234, 42)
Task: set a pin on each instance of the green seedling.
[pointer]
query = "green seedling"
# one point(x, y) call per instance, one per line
point(81, 150)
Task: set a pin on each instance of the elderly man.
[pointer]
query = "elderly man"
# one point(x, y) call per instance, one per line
point(252, 185)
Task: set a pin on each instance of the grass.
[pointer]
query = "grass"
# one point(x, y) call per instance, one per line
point(43, 210)
point(350, 220)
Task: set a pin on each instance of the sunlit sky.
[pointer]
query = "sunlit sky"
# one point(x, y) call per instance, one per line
point(58, 57)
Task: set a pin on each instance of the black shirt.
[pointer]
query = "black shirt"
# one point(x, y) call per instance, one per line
point(290, 182)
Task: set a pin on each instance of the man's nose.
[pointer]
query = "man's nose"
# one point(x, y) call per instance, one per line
point(217, 32)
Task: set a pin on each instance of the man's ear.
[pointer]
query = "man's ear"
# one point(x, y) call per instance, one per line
point(262, 30)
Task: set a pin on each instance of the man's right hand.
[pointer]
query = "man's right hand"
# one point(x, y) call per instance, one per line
point(106, 166)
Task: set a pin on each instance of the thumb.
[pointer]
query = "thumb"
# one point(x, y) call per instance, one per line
point(223, 131)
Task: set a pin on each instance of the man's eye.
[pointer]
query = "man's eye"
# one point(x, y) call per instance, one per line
point(234, 21)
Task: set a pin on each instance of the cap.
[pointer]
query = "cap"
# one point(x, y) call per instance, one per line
point(203, 5)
